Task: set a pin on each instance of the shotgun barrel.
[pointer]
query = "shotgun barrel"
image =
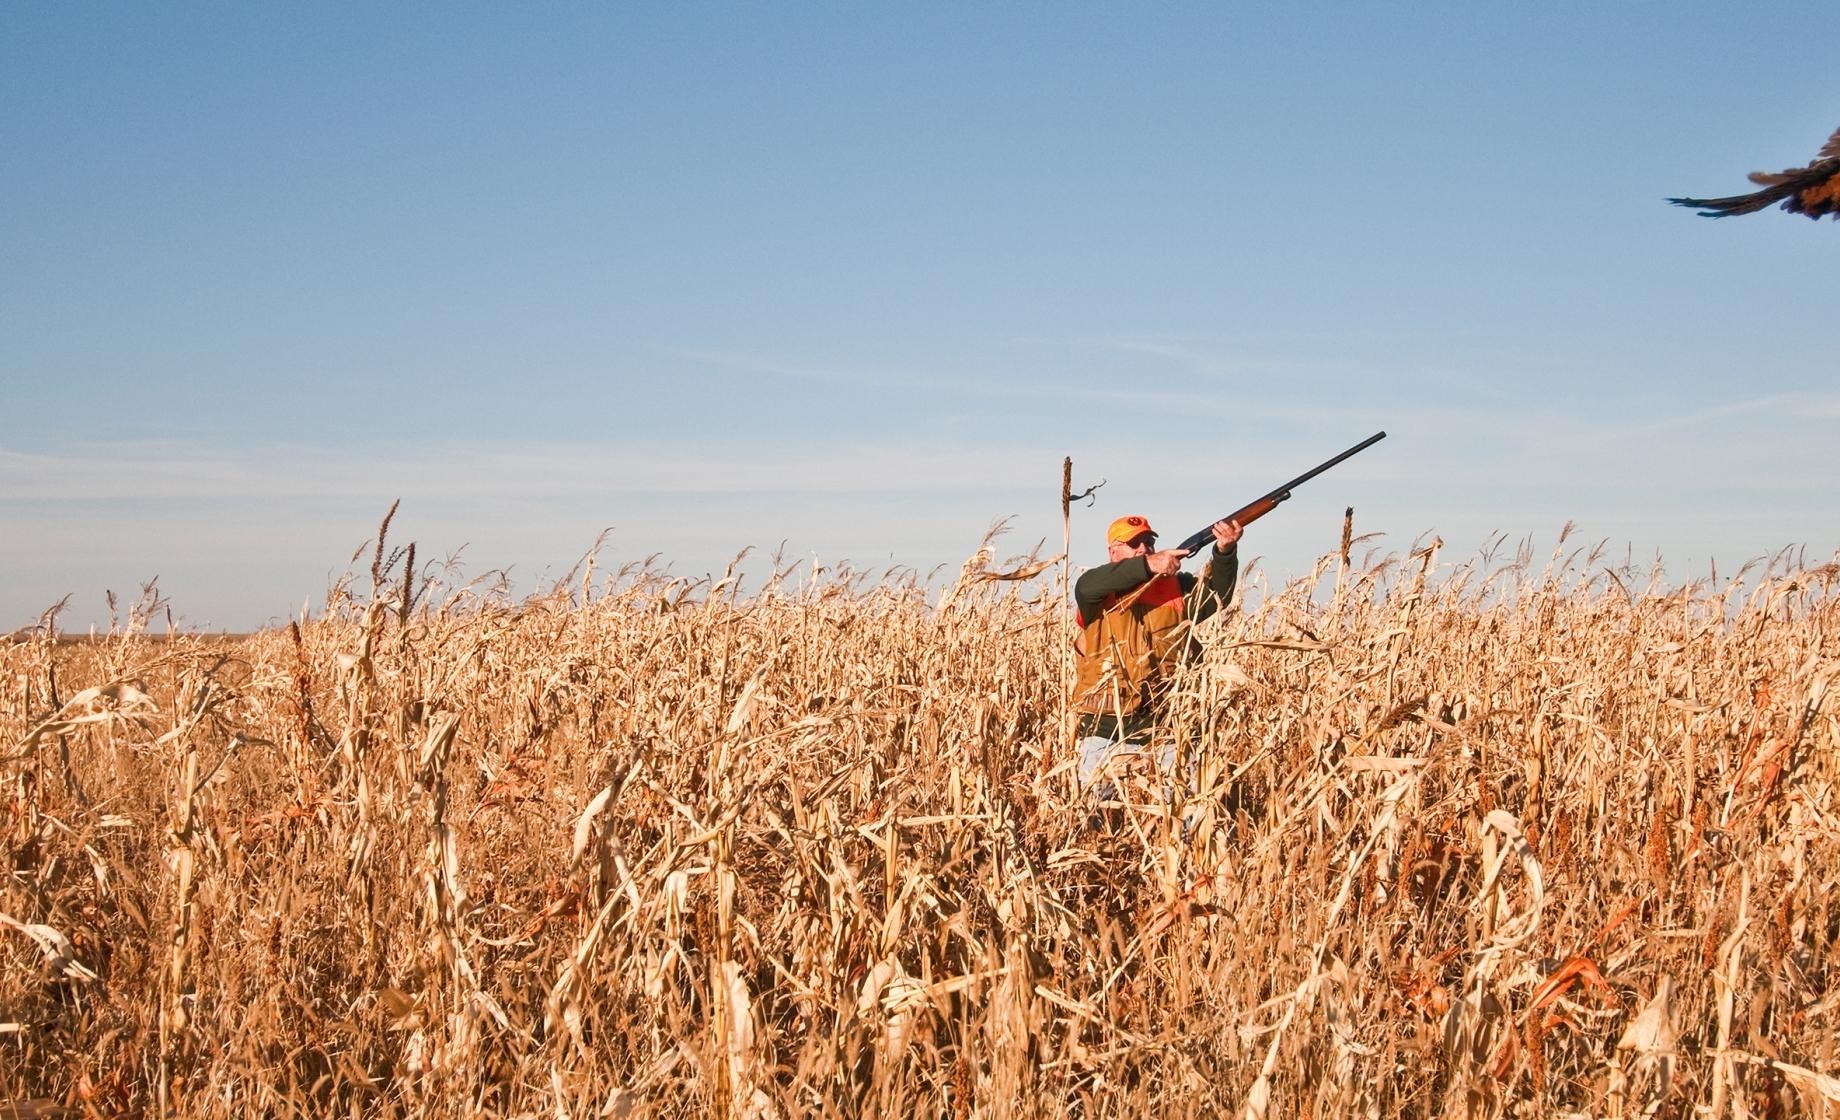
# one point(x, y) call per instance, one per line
point(1252, 511)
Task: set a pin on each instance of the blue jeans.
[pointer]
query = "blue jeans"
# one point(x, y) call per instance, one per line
point(1109, 745)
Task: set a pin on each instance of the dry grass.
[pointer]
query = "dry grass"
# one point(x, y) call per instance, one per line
point(1485, 840)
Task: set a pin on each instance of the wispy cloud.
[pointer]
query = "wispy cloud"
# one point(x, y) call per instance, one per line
point(178, 471)
point(1787, 406)
point(991, 382)
point(1194, 357)
point(735, 361)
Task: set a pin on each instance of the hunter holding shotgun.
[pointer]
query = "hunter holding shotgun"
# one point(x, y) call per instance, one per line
point(1134, 616)
point(1136, 612)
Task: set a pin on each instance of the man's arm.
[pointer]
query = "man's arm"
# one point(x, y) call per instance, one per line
point(1215, 589)
point(1116, 578)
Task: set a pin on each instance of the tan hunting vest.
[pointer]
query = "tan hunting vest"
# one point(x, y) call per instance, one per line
point(1124, 653)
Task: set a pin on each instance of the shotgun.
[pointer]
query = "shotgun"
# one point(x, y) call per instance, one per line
point(1247, 514)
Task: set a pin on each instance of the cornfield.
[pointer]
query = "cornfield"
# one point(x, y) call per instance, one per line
point(1479, 838)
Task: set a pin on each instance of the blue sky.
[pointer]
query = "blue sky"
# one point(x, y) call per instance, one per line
point(855, 278)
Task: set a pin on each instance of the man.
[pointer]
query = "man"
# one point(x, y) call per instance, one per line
point(1135, 614)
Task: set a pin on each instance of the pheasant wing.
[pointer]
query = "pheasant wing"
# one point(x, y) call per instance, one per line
point(1813, 190)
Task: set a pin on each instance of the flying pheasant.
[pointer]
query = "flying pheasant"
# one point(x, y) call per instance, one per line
point(1813, 190)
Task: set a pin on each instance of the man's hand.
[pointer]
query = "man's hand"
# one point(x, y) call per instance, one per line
point(1166, 562)
point(1226, 535)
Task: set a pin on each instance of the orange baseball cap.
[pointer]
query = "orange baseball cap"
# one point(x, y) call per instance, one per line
point(1127, 529)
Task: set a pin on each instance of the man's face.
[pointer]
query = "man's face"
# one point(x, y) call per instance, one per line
point(1141, 545)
